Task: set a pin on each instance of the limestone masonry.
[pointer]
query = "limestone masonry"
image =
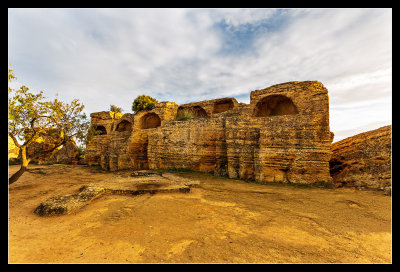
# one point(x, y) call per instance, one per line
point(283, 135)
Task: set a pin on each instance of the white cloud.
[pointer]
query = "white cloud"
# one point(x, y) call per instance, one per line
point(109, 56)
point(235, 17)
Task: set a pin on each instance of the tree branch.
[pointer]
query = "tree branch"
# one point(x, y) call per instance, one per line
point(42, 152)
point(32, 122)
point(14, 140)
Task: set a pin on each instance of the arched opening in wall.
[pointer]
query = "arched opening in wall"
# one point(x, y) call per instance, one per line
point(102, 130)
point(185, 113)
point(199, 111)
point(274, 105)
point(124, 126)
point(150, 120)
point(180, 113)
point(222, 106)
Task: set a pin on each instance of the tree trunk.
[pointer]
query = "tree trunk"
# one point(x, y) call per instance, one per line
point(23, 168)
point(17, 175)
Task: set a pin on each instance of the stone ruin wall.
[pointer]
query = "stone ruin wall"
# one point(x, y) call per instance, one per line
point(283, 135)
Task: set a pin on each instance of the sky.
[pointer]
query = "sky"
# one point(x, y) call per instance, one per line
point(110, 56)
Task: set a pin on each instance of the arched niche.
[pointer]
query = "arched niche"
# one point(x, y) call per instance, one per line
point(274, 105)
point(124, 125)
point(102, 130)
point(222, 106)
point(193, 112)
point(150, 120)
point(199, 111)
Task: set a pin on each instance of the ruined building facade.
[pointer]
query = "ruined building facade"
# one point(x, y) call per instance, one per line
point(283, 135)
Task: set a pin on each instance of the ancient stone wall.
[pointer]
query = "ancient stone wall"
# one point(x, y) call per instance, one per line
point(124, 141)
point(295, 138)
point(283, 135)
point(190, 144)
point(97, 150)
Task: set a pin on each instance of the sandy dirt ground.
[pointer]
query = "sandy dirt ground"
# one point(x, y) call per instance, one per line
point(220, 221)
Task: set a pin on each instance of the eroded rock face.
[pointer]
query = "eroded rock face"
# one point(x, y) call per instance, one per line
point(283, 135)
point(363, 160)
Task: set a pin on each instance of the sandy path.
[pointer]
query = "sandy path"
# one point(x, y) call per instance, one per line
point(222, 221)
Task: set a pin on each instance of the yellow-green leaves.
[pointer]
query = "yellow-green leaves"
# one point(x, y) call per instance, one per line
point(143, 102)
point(30, 115)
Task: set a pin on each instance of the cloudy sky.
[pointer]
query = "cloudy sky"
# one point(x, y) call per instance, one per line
point(110, 56)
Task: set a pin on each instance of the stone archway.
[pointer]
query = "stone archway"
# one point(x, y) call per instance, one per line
point(222, 106)
point(274, 105)
point(199, 111)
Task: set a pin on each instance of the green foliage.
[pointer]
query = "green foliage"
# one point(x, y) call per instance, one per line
point(82, 151)
point(143, 102)
point(115, 108)
point(24, 108)
point(31, 116)
point(11, 77)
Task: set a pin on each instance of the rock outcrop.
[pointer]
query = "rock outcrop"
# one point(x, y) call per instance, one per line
point(363, 160)
point(283, 135)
